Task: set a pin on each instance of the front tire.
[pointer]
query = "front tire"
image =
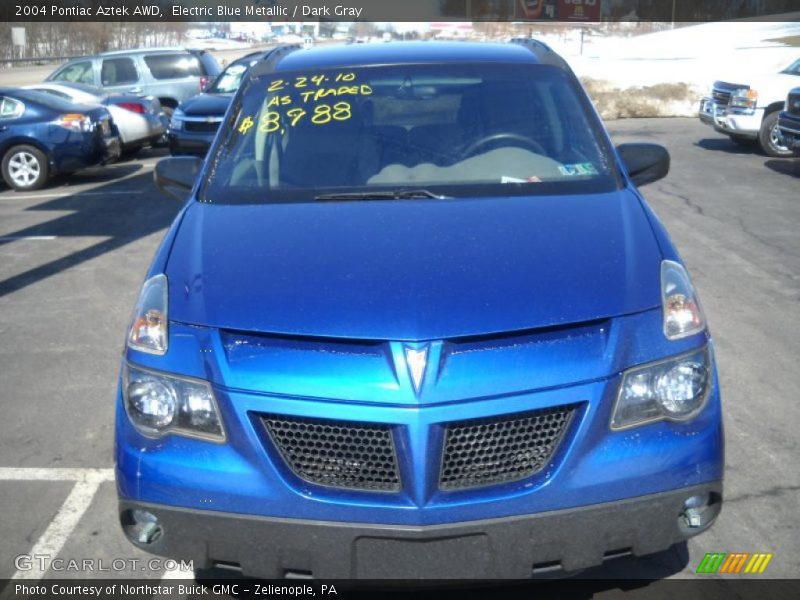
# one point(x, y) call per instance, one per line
point(768, 138)
point(25, 168)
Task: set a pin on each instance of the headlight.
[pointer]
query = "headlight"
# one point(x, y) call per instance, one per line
point(158, 404)
point(744, 99)
point(674, 389)
point(682, 314)
point(148, 331)
point(176, 122)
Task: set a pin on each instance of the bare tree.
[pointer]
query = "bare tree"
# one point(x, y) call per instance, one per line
point(64, 39)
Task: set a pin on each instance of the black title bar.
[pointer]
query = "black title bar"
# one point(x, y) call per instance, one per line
point(397, 10)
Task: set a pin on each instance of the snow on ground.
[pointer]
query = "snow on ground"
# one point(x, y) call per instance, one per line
point(215, 43)
point(681, 63)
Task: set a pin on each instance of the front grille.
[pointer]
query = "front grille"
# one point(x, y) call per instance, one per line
point(338, 454)
point(721, 97)
point(201, 126)
point(496, 450)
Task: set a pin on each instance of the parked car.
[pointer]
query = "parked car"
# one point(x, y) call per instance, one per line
point(416, 320)
point(41, 136)
point(748, 112)
point(139, 119)
point(789, 121)
point(170, 74)
point(195, 122)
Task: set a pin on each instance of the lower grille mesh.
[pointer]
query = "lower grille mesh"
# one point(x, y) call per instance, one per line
point(495, 450)
point(336, 453)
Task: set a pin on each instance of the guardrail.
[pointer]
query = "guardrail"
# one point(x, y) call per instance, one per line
point(40, 60)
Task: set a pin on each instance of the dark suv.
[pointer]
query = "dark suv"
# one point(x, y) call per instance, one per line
point(195, 122)
point(789, 121)
point(170, 74)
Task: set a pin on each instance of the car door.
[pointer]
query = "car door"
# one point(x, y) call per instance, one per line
point(120, 74)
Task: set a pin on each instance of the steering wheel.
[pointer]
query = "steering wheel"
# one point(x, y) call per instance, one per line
point(515, 139)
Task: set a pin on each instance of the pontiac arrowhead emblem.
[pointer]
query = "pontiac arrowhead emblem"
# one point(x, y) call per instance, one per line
point(417, 360)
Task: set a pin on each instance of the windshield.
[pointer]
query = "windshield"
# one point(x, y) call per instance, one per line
point(793, 69)
point(451, 129)
point(229, 80)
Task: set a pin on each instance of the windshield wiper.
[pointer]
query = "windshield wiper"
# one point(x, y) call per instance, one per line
point(382, 195)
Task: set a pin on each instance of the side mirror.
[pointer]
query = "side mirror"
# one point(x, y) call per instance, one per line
point(176, 176)
point(645, 163)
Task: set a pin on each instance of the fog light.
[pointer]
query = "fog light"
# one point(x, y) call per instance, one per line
point(699, 511)
point(141, 526)
point(692, 517)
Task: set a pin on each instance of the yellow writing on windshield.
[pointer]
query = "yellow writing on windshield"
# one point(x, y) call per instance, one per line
point(246, 124)
point(344, 90)
point(305, 81)
point(273, 121)
point(293, 100)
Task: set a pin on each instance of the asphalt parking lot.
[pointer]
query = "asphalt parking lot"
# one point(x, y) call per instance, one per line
point(72, 258)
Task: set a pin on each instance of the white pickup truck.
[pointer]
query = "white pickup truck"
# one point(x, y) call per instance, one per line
point(748, 112)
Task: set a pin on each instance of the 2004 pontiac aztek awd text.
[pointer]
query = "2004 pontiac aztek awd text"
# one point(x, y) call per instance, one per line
point(416, 323)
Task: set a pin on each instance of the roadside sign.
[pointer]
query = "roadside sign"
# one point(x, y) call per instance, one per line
point(18, 36)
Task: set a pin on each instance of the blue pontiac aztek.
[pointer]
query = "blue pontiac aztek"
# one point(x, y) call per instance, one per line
point(415, 320)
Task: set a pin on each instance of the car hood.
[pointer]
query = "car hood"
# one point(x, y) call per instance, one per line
point(207, 105)
point(771, 88)
point(413, 269)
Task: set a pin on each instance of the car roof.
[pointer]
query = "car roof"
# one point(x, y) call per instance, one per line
point(145, 51)
point(342, 55)
point(160, 50)
point(249, 58)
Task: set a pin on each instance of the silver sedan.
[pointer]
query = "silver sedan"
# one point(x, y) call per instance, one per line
point(140, 120)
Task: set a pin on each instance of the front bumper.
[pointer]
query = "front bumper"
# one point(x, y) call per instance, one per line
point(512, 547)
point(789, 126)
point(247, 475)
point(600, 493)
point(730, 121)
